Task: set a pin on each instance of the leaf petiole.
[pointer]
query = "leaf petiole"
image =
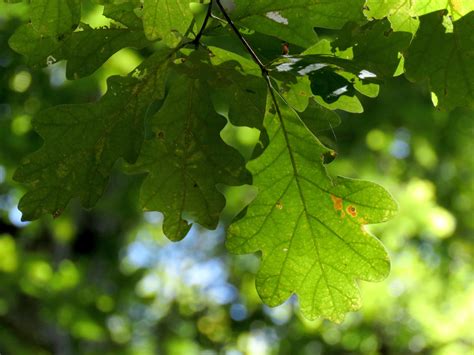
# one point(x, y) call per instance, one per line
point(243, 40)
point(204, 24)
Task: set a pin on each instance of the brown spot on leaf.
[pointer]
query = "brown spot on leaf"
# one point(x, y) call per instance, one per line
point(337, 201)
point(351, 210)
point(279, 205)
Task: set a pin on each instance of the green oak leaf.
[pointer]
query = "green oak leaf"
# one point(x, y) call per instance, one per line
point(296, 92)
point(236, 83)
point(337, 69)
point(403, 14)
point(186, 158)
point(319, 119)
point(85, 50)
point(444, 60)
point(398, 12)
point(309, 227)
point(330, 78)
point(125, 13)
point(350, 104)
point(35, 47)
point(166, 19)
point(294, 21)
point(375, 46)
point(82, 142)
point(356, 71)
point(330, 85)
point(55, 17)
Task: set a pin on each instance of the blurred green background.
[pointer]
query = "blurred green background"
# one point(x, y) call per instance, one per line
point(107, 281)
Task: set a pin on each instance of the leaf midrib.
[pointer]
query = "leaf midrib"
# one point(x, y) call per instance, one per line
point(302, 198)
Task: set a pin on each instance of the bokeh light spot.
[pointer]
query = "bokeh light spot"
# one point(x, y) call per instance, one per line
point(21, 81)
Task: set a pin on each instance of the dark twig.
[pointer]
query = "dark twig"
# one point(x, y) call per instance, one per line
point(204, 24)
point(266, 76)
point(243, 40)
point(273, 91)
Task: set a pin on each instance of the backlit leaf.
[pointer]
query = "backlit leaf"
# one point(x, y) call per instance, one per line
point(375, 46)
point(166, 19)
point(444, 60)
point(102, 132)
point(186, 159)
point(238, 85)
point(85, 50)
point(294, 21)
point(309, 227)
point(403, 13)
point(55, 17)
point(125, 13)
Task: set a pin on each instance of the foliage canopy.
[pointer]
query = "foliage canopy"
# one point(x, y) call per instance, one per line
point(213, 61)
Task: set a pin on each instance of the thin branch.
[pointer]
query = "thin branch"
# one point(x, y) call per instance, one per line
point(256, 59)
point(243, 40)
point(204, 24)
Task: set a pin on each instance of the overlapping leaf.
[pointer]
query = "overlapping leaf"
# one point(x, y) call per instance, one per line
point(237, 84)
point(166, 19)
point(186, 158)
point(82, 142)
point(376, 48)
point(318, 118)
point(294, 21)
point(85, 50)
point(332, 86)
point(403, 13)
point(125, 13)
point(358, 59)
point(55, 17)
point(444, 59)
point(310, 228)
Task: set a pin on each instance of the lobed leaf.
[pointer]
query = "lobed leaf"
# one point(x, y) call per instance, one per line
point(310, 228)
point(55, 17)
point(295, 21)
point(375, 46)
point(403, 14)
point(125, 13)
point(166, 19)
point(444, 59)
point(236, 83)
point(82, 142)
point(85, 51)
point(186, 158)
point(318, 118)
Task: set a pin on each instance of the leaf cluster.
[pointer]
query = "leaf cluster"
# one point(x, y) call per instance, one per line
point(281, 67)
